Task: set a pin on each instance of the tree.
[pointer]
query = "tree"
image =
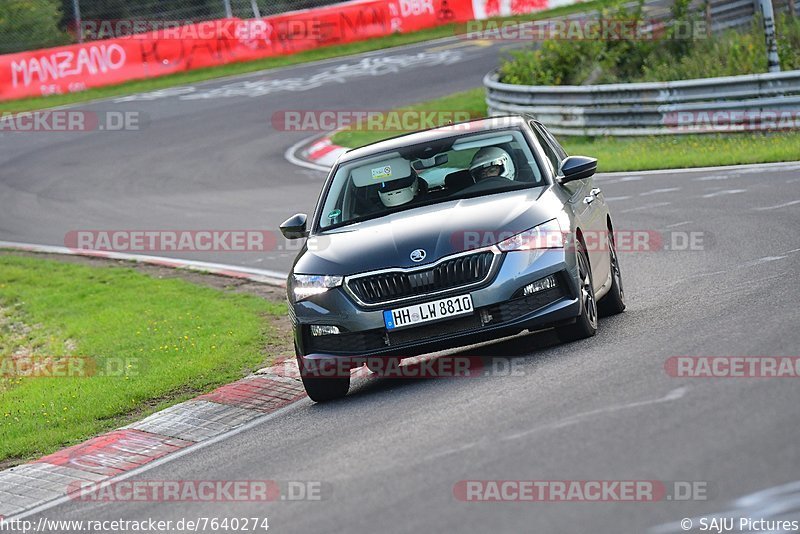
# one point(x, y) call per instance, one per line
point(30, 24)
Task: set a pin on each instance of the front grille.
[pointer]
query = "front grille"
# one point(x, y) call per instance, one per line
point(460, 271)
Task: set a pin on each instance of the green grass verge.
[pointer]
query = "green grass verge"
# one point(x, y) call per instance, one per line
point(184, 78)
point(158, 341)
point(627, 153)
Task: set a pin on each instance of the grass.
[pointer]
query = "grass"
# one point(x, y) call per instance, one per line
point(157, 341)
point(682, 151)
point(231, 69)
point(626, 153)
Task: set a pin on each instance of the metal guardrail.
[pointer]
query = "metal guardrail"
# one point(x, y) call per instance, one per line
point(768, 101)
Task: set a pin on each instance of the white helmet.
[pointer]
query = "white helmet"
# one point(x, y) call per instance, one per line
point(491, 161)
point(399, 192)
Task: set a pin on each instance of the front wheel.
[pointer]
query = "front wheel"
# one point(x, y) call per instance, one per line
point(586, 323)
point(614, 302)
point(320, 384)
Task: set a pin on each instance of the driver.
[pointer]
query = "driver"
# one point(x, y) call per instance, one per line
point(399, 192)
point(490, 162)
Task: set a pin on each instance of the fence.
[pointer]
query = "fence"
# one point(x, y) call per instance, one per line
point(194, 10)
point(735, 103)
point(32, 24)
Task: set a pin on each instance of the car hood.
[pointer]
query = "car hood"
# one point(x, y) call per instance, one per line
point(440, 230)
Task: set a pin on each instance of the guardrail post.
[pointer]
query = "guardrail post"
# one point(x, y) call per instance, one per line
point(76, 13)
point(256, 11)
point(228, 10)
point(768, 17)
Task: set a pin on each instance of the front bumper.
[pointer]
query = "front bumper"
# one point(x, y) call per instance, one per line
point(500, 311)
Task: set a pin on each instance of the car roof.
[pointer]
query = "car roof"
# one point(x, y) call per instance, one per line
point(434, 134)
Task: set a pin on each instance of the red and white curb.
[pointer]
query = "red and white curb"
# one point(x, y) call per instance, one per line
point(324, 152)
point(318, 153)
point(27, 488)
point(108, 456)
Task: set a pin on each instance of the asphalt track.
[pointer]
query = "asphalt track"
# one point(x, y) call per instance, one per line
point(390, 453)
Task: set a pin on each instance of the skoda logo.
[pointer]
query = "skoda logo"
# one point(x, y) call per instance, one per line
point(418, 255)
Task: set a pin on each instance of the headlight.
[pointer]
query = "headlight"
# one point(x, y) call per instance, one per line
point(307, 285)
point(546, 235)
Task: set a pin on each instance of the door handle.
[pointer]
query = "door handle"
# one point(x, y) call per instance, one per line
point(589, 199)
point(596, 191)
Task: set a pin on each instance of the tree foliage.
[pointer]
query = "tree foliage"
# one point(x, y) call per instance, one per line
point(30, 24)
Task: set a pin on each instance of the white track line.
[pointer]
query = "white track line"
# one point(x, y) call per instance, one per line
point(784, 205)
point(273, 278)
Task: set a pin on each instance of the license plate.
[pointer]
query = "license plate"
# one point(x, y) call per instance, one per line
point(428, 311)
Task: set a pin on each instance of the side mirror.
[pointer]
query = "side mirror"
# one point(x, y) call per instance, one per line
point(295, 226)
point(577, 168)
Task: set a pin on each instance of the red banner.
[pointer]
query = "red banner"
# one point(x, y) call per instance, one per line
point(99, 63)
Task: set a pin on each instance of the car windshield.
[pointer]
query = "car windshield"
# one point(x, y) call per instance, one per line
point(424, 174)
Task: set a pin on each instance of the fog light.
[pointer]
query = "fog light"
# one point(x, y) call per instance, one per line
point(323, 330)
point(540, 285)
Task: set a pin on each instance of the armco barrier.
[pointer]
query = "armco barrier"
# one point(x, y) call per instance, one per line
point(734, 103)
point(107, 62)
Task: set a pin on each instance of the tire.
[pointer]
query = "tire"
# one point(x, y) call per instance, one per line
point(614, 301)
point(322, 388)
point(586, 323)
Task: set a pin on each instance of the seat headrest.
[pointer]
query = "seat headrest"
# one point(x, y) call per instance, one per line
point(459, 179)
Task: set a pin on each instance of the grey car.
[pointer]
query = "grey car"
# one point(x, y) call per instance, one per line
point(447, 237)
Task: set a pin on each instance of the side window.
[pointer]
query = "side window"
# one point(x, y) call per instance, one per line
point(555, 160)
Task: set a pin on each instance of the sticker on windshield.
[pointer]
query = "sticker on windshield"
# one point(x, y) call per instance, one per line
point(381, 173)
point(334, 214)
